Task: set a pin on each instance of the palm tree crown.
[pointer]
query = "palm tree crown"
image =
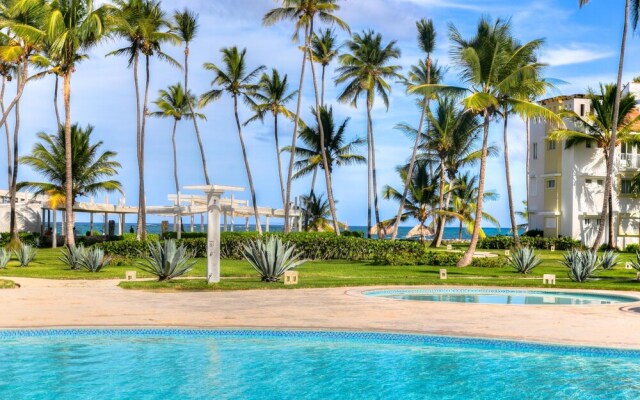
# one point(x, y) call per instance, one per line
point(303, 13)
point(173, 103)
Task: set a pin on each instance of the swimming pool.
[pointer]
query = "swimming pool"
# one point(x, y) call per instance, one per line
point(248, 364)
point(501, 296)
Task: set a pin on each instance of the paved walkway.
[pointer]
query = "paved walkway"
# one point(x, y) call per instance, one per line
point(49, 303)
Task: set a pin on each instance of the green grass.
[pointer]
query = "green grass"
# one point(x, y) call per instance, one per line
point(238, 275)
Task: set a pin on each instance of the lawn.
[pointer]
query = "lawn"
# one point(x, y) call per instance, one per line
point(238, 275)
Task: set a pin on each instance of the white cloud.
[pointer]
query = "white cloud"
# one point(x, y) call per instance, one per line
point(574, 54)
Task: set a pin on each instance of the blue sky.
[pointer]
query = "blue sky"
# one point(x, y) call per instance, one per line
point(581, 48)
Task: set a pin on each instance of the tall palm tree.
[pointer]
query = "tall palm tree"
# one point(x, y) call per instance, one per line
point(232, 78)
point(427, 43)
point(186, 26)
point(90, 165)
point(631, 7)
point(175, 103)
point(324, 48)
point(465, 199)
point(303, 13)
point(597, 128)
point(339, 151)
point(73, 27)
point(317, 214)
point(145, 28)
point(365, 70)
point(272, 95)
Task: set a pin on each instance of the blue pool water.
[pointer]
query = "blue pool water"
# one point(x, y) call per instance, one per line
point(501, 296)
point(231, 364)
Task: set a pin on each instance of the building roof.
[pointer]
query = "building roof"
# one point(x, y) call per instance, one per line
point(556, 99)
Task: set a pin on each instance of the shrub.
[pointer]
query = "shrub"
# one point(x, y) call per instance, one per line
point(271, 258)
point(538, 243)
point(486, 262)
point(94, 260)
point(166, 261)
point(609, 260)
point(582, 265)
point(534, 233)
point(25, 254)
point(184, 235)
point(395, 259)
point(355, 234)
point(72, 256)
point(5, 256)
point(632, 248)
point(524, 260)
point(433, 258)
point(32, 239)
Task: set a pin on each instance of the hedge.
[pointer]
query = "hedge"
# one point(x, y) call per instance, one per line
point(32, 239)
point(539, 243)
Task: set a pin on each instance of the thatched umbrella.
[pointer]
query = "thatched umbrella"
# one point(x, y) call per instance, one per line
point(382, 230)
point(420, 231)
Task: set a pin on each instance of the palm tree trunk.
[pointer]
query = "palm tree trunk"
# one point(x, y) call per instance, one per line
point(68, 187)
point(55, 101)
point(275, 133)
point(294, 138)
point(323, 150)
point(468, 256)
point(175, 176)
point(313, 180)
point(369, 200)
point(460, 231)
point(324, 67)
point(7, 133)
point(528, 162)
point(507, 169)
point(142, 212)
point(246, 164)
point(374, 184)
point(441, 219)
point(608, 187)
point(14, 242)
point(195, 119)
point(611, 231)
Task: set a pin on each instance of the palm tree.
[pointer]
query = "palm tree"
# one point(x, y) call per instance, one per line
point(324, 48)
point(597, 128)
point(339, 152)
point(427, 43)
point(272, 96)
point(630, 7)
point(365, 70)
point(143, 24)
point(317, 214)
point(234, 80)
point(465, 199)
point(73, 27)
point(186, 26)
point(90, 165)
point(175, 103)
point(304, 13)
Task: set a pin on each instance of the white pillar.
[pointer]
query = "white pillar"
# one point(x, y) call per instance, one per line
point(54, 234)
point(201, 223)
point(91, 223)
point(191, 225)
point(213, 238)
point(225, 220)
point(106, 224)
point(123, 223)
point(267, 224)
point(246, 224)
point(120, 224)
point(233, 213)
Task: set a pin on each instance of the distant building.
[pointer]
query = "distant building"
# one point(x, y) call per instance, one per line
point(566, 186)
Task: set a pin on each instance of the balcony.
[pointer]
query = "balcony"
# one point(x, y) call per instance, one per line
point(629, 161)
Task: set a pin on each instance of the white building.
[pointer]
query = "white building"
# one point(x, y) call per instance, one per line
point(566, 186)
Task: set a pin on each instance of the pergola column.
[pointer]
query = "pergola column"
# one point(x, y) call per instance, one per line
point(201, 223)
point(267, 224)
point(191, 224)
point(54, 234)
point(246, 224)
point(91, 223)
point(106, 224)
point(225, 220)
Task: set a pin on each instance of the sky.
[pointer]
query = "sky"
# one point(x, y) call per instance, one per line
point(581, 48)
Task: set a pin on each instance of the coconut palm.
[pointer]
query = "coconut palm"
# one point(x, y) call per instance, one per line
point(272, 96)
point(317, 213)
point(73, 27)
point(365, 70)
point(186, 27)
point(631, 7)
point(144, 26)
point(232, 78)
point(90, 165)
point(175, 103)
point(465, 200)
point(339, 151)
point(597, 128)
point(324, 48)
point(304, 13)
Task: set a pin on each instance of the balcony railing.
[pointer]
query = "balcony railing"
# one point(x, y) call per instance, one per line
point(629, 161)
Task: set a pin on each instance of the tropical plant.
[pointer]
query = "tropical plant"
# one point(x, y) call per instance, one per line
point(271, 258)
point(324, 48)
point(233, 79)
point(90, 166)
point(25, 254)
point(465, 198)
point(609, 260)
point(186, 27)
point(365, 70)
point(72, 256)
point(524, 260)
point(317, 215)
point(271, 96)
point(144, 26)
point(582, 265)
point(339, 152)
point(303, 13)
point(94, 260)
point(5, 257)
point(635, 263)
point(175, 103)
point(166, 260)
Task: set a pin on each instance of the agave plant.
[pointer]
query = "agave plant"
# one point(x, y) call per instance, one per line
point(94, 260)
point(5, 256)
point(524, 260)
point(636, 263)
point(25, 254)
point(72, 256)
point(609, 260)
point(272, 258)
point(582, 265)
point(166, 261)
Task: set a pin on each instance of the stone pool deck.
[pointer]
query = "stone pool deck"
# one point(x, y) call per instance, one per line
point(57, 303)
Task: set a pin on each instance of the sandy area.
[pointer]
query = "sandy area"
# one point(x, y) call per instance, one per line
point(49, 303)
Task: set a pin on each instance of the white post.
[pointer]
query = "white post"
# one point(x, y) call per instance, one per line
point(106, 224)
point(191, 223)
point(225, 220)
point(213, 237)
point(54, 235)
point(267, 224)
point(91, 222)
point(232, 213)
point(201, 223)
point(246, 224)
point(124, 225)
point(120, 224)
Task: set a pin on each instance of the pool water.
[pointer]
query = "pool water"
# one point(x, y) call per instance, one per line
point(490, 296)
point(200, 364)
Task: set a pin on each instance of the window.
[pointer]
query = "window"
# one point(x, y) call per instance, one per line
point(626, 186)
point(587, 222)
point(534, 151)
point(588, 181)
point(582, 110)
point(600, 182)
point(551, 145)
point(551, 184)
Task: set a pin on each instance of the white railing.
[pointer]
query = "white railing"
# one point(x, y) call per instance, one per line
point(628, 161)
